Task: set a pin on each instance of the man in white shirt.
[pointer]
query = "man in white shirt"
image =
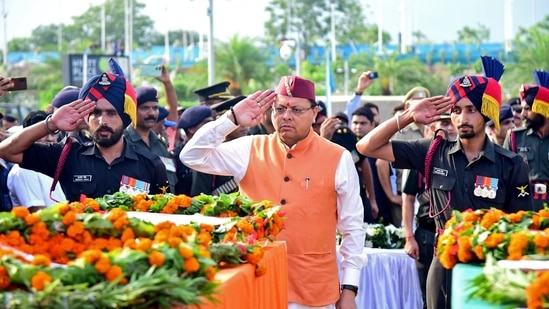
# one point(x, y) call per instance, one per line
point(29, 188)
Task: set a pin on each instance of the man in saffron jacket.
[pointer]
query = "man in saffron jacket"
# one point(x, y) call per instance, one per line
point(313, 179)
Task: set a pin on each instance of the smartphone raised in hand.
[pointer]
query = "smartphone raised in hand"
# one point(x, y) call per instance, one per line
point(373, 75)
point(19, 83)
point(151, 70)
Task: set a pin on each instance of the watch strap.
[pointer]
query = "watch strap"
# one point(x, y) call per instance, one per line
point(353, 288)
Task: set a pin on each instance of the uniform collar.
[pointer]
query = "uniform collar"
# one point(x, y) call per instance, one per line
point(134, 137)
point(487, 151)
point(128, 152)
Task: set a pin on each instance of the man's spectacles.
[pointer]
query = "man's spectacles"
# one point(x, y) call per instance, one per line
point(281, 110)
point(517, 110)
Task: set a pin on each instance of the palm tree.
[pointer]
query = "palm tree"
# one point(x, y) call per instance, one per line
point(243, 64)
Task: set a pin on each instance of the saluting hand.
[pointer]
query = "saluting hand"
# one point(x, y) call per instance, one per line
point(428, 110)
point(249, 111)
point(69, 117)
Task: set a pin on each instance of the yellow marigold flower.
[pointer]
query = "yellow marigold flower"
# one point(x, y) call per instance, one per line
point(40, 259)
point(91, 256)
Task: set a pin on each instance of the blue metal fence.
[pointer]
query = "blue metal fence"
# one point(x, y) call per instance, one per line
point(187, 56)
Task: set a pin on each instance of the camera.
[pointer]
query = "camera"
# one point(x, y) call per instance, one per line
point(373, 75)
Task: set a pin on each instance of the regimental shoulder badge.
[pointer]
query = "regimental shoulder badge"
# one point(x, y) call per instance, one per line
point(523, 191)
point(465, 82)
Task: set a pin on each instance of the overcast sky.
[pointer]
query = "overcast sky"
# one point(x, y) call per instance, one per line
point(439, 20)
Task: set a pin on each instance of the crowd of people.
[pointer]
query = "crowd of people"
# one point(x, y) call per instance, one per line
point(437, 153)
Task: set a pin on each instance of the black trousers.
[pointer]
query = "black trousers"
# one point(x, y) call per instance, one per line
point(425, 241)
point(439, 286)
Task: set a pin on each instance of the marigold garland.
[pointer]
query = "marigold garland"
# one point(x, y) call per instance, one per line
point(98, 249)
point(489, 235)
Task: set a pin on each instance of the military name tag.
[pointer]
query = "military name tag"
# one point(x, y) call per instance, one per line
point(81, 178)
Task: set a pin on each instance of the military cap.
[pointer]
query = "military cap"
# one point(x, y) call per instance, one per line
point(215, 91)
point(224, 106)
point(194, 115)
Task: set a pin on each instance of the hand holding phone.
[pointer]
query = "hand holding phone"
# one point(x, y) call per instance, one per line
point(151, 70)
point(19, 83)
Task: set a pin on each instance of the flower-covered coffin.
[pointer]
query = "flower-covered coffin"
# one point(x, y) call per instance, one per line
point(81, 255)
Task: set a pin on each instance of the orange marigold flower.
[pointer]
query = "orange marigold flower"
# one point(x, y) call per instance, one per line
point(69, 218)
point(206, 227)
point(143, 244)
point(490, 217)
point(121, 223)
point(517, 244)
point(114, 273)
point(479, 252)
point(32, 219)
point(541, 240)
point(103, 264)
point(113, 243)
point(40, 259)
point(75, 229)
point(64, 208)
point(260, 269)
point(210, 273)
point(20, 212)
point(39, 280)
point(544, 213)
point(494, 239)
point(465, 253)
point(91, 256)
point(256, 255)
point(448, 260)
point(185, 251)
point(156, 258)
point(535, 222)
point(130, 243)
point(166, 225)
point(5, 280)
point(204, 238)
point(174, 241)
point(516, 217)
point(40, 229)
point(127, 234)
point(245, 226)
point(116, 213)
point(192, 265)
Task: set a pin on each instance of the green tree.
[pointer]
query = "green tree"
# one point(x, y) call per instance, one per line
point(20, 44)
point(243, 64)
point(419, 37)
point(531, 47)
point(474, 35)
point(311, 19)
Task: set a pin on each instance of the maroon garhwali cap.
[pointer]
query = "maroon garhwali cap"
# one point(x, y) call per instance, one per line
point(296, 87)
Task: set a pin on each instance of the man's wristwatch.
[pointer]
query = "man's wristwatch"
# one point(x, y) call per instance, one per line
point(353, 288)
